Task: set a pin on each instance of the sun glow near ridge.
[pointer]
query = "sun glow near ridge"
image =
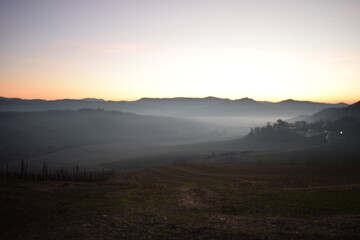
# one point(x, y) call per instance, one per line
point(125, 50)
point(230, 73)
point(237, 73)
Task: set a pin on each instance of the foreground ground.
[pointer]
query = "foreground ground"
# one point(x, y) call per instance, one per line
point(204, 201)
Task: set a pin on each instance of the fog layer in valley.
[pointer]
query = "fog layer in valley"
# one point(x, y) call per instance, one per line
point(92, 132)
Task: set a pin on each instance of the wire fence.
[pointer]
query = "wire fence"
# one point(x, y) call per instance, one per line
point(61, 174)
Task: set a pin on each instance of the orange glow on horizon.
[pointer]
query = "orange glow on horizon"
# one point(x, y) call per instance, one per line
point(132, 49)
point(43, 94)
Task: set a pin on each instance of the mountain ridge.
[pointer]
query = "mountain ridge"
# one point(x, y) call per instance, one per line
point(332, 114)
point(171, 98)
point(177, 107)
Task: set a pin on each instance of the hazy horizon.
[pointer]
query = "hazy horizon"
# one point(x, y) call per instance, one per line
point(179, 97)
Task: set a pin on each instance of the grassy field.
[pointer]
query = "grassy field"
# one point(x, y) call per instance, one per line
point(194, 201)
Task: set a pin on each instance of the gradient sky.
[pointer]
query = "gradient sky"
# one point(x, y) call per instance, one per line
point(125, 50)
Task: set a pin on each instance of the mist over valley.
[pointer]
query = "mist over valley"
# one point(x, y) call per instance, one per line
point(93, 133)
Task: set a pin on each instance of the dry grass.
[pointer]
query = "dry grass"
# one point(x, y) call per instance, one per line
point(202, 201)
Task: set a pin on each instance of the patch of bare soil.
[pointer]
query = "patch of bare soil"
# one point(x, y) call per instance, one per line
point(188, 199)
point(327, 227)
point(332, 187)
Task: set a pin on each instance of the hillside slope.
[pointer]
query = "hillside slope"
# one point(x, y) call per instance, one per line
point(27, 134)
point(335, 113)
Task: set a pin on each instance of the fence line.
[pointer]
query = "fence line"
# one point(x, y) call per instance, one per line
point(61, 174)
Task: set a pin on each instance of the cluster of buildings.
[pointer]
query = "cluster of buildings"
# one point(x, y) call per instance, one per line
point(330, 136)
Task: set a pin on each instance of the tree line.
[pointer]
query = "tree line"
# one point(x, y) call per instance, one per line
point(286, 131)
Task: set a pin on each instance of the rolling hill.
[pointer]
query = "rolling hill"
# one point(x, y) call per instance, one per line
point(176, 107)
point(28, 134)
point(335, 113)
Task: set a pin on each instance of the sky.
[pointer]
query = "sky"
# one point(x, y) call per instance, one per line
point(129, 49)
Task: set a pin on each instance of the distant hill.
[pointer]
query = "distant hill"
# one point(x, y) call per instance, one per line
point(176, 107)
point(28, 134)
point(335, 113)
point(93, 99)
